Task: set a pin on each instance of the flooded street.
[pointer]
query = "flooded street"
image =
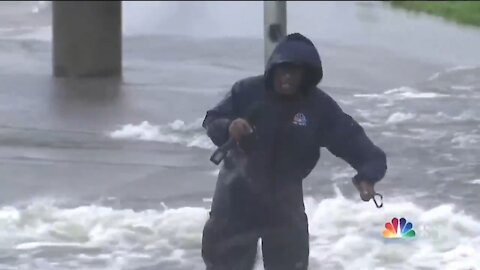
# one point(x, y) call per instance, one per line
point(100, 174)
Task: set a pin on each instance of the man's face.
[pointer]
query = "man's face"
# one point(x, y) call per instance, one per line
point(288, 78)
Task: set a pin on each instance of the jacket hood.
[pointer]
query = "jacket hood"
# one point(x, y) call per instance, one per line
point(297, 49)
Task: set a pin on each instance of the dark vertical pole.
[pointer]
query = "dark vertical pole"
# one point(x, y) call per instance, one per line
point(87, 38)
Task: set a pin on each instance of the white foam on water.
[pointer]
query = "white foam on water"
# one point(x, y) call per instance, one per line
point(38, 33)
point(367, 114)
point(134, 236)
point(9, 30)
point(458, 68)
point(207, 200)
point(343, 174)
point(368, 125)
point(422, 95)
point(428, 134)
point(444, 118)
point(400, 93)
point(404, 136)
point(371, 116)
point(399, 117)
point(188, 134)
point(344, 232)
point(468, 115)
point(463, 140)
point(345, 102)
point(349, 233)
point(411, 93)
point(36, 245)
point(476, 181)
point(462, 87)
point(449, 70)
point(367, 95)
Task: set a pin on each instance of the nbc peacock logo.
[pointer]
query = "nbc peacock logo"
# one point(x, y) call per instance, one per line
point(396, 229)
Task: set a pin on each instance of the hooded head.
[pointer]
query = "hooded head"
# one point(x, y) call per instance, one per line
point(296, 49)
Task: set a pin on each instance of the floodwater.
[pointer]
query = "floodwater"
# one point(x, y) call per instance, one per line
point(105, 174)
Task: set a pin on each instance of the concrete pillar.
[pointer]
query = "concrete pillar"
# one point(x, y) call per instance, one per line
point(275, 24)
point(87, 38)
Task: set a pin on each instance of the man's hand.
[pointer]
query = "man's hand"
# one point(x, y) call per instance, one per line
point(239, 128)
point(365, 188)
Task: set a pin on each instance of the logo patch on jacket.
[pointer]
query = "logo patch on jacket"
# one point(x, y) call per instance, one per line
point(299, 119)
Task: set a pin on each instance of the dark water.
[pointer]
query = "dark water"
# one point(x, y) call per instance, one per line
point(103, 174)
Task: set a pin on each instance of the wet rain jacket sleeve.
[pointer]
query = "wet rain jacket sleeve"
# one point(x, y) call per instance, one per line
point(218, 119)
point(346, 139)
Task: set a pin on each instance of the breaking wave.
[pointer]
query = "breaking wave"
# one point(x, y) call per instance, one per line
point(345, 233)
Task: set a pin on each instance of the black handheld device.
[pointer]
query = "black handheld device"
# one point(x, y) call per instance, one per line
point(222, 151)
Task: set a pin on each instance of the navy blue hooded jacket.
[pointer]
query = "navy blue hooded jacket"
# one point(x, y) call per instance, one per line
point(289, 135)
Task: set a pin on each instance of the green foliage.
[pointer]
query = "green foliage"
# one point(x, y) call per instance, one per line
point(466, 12)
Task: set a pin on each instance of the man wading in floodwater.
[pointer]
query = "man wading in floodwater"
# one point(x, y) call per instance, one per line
point(259, 188)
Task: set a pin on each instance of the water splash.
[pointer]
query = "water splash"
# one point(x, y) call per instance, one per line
point(188, 134)
point(341, 230)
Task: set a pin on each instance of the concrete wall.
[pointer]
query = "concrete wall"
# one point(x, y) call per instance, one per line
point(87, 38)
